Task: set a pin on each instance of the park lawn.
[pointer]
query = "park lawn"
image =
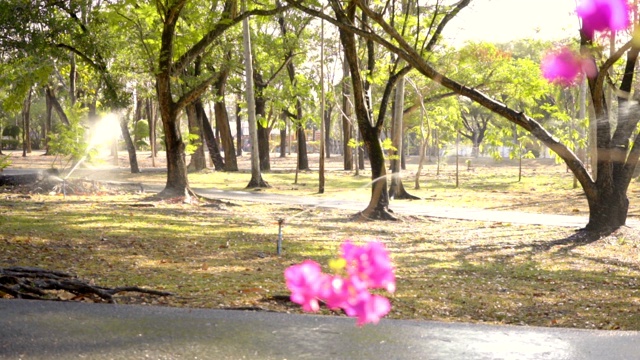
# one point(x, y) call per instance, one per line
point(544, 186)
point(223, 255)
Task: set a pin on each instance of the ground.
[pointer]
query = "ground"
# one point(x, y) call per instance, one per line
point(222, 254)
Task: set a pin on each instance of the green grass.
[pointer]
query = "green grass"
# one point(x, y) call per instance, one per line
point(222, 255)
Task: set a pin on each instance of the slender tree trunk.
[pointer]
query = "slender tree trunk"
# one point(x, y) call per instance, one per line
point(198, 159)
point(283, 136)
point(153, 121)
point(397, 189)
point(26, 125)
point(264, 137)
point(303, 159)
point(238, 130)
point(47, 121)
point(212, 144)
point(72, 79)
point(56, 106)
point(222, 124)
point(347, 127)
point(256, 175)
point(131, 148)
point(321, 178)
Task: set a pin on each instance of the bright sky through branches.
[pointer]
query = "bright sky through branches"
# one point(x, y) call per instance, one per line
point(501, 21)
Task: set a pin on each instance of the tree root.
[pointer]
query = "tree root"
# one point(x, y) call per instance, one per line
point(374, 214)
point(257, 183)
point(32, 283)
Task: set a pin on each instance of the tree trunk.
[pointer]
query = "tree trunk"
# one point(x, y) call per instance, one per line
point(198, 159)
point(347, 127)
point(256, 176)
point(378, 207)
point(608, 209)
point(56, 106)
point(47, 120)
point(238, 130)
point(153, 122)
point(177, 179)
point(263, 136)
point(327, 130)
point(72, 79)
point(222, 124)
point(131, 148)
point(26, 125)
point(262, 132)
point(212, 144)
point(283, 141)
point(303, 159)
point(397, 189)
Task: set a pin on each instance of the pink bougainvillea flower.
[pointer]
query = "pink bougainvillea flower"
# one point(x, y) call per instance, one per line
point(565, 67)
point(602, 15)
point(306, 281)
point(336, 292)
point(364, 267)
point(371, 263)
point(369, 308)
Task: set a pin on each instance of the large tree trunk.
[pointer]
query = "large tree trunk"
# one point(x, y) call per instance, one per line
point(177, 179)
point(608, 206)
point(378, 207)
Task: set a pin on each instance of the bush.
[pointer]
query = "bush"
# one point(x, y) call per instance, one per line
point(10, 144)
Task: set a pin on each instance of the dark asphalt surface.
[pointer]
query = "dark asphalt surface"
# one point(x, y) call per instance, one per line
point(71, 330)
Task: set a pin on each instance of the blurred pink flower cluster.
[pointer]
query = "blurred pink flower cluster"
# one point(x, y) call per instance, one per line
point(564, 66)
point(603, 15)
point(359, 269)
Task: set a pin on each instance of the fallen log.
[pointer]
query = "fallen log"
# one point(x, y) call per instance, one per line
point(33, 283)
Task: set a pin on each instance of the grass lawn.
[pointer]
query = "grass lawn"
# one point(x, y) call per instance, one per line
point(222, 254)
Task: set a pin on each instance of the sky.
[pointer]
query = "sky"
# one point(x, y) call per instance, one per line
point(505, 20)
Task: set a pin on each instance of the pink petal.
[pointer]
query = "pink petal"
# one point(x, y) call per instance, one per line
point(305, 281)
point(370, 309)
point(561, 67)
point(372, 263)
point(602, 15)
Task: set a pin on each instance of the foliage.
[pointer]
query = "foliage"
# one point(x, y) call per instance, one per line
point(13, 131)
point(141, 132)
point(354, 144)
point(193, 142)
point(71, 140)
point(5, 162)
